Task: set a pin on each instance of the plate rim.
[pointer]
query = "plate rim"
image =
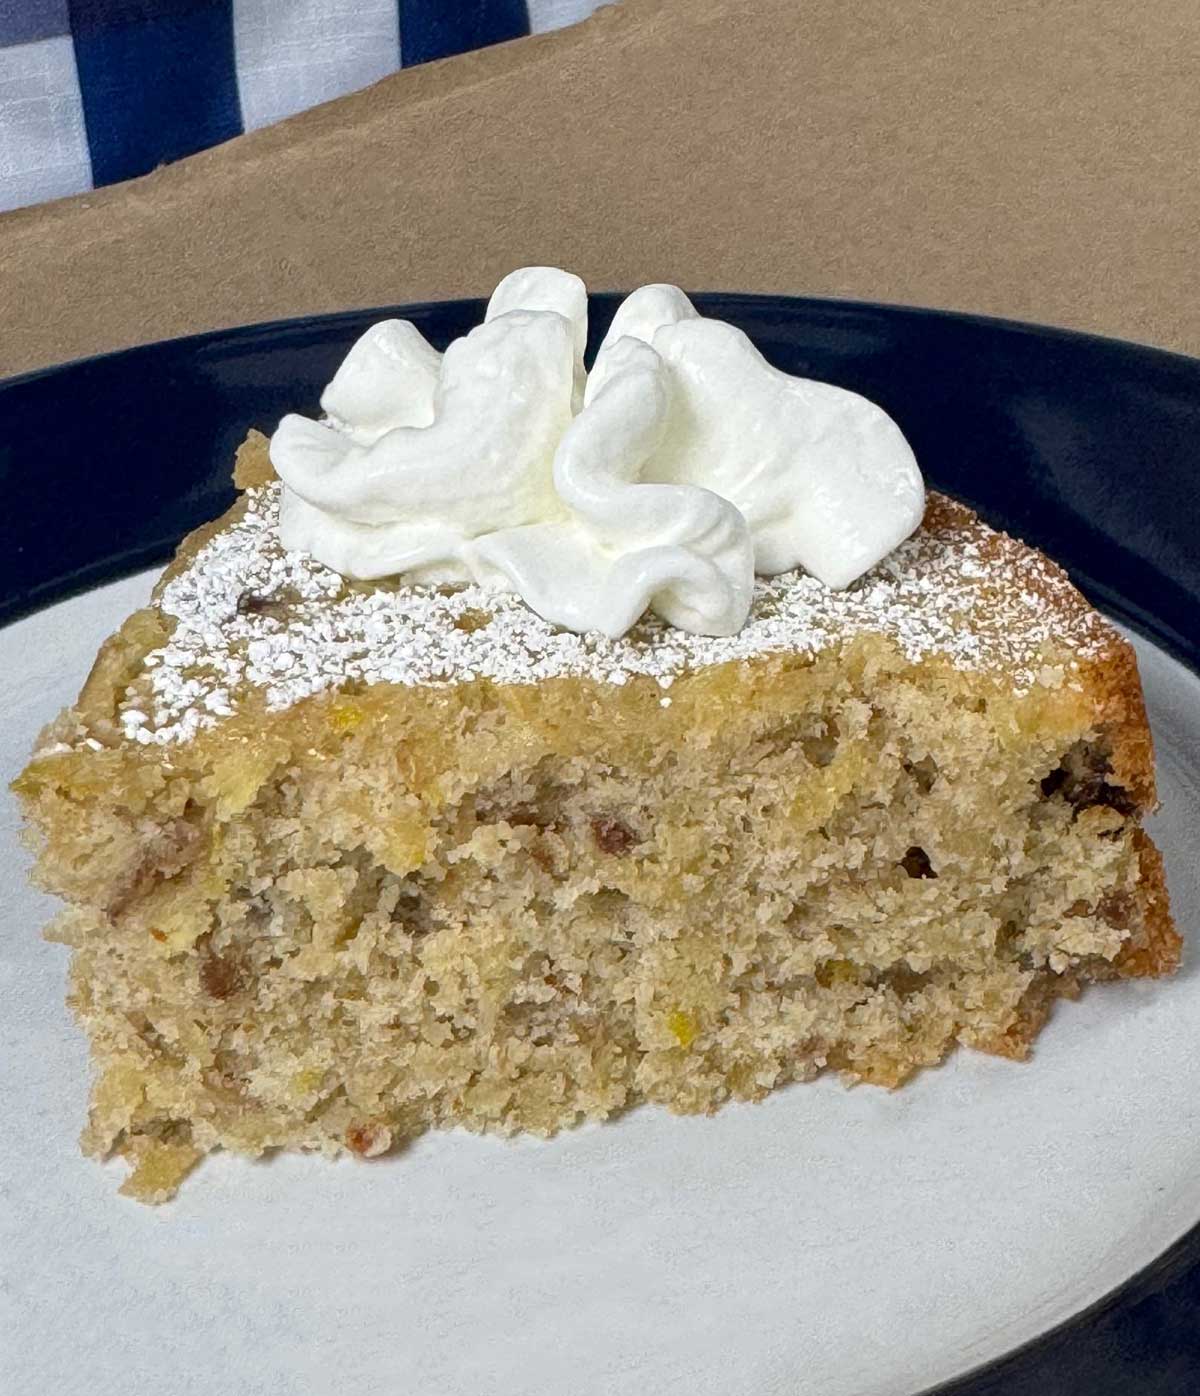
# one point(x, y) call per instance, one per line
point(837, 304)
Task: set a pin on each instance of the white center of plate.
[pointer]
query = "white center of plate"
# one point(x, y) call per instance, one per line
point(829, 1242)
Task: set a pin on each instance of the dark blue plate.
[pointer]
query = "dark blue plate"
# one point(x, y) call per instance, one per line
point(1087, 447)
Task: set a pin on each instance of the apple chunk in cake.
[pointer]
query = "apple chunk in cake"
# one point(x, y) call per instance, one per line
point(344, 862)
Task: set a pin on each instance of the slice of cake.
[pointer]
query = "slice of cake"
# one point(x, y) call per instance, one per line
point(346, 859)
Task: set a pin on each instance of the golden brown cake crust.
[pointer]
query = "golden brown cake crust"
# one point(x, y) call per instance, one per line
point(1110, 677)
point(1120, 710)
point(1155, 946)
point(252, 465)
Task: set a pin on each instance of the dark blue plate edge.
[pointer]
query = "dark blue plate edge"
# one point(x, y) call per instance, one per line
point(1096, 1369)
point(467, 305)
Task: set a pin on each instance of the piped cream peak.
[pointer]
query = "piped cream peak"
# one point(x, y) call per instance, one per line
point(664, 479)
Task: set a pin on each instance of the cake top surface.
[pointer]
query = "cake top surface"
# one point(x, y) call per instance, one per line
point(248, 615)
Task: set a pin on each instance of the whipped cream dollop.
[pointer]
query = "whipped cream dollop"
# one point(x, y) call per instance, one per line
point(663, 479)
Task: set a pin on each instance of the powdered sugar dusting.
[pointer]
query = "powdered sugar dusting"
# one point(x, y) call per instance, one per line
point(249, 615)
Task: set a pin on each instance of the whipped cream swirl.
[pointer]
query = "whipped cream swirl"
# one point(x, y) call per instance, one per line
point(664, 479)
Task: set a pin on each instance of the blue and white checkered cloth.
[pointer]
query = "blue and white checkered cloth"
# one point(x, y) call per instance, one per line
point(94, 91)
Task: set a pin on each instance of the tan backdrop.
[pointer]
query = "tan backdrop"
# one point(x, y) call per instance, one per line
point(1019, 158)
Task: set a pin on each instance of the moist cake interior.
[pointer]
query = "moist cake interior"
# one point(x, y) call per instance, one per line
point(346, 862)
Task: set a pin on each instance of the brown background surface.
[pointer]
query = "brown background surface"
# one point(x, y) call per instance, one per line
point(1019, 158)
